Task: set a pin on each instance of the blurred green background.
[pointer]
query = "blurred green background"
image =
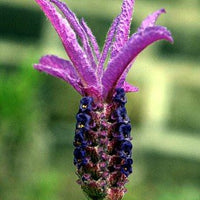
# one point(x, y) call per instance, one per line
point(37, 111)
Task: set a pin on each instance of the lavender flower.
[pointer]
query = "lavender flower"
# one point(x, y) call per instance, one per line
point(102, 144)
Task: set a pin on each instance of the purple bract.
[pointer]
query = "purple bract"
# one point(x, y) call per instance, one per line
point(103, 149)
point(86, 71)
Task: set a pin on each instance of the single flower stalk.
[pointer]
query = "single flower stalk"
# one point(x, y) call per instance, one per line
point(102, 138)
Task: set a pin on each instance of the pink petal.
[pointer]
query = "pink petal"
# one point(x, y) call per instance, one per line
point(60, 68)
point(92, 39)
point(73, 21)
point(130, 88)
point(151, 19)
point(139, 41)
point(107, 45)
point(123, 28)
point(69, 40)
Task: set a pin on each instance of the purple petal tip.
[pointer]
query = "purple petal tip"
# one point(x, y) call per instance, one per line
point(162, 10)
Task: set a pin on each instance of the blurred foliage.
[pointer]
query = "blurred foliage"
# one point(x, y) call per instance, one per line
point(37, 112)
point(189, 104)
point(13, 28)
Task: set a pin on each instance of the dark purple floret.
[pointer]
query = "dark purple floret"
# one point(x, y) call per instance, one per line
point(126, 147)
point(121, 112)
point(127, 168)
point(83, 121)
point(79, 153)
point(121, 115)
point(125, 130)
point(129, 161)
point(86, 104)
point(120, 96)
point(79, 157)
point(79, 140)
point(80, 132)
point(79, 137)
point(120, 91)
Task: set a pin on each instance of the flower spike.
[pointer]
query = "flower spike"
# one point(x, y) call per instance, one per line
point(102, 140)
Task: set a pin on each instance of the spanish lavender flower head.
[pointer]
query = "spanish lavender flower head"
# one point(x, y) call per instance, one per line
point(102, 138)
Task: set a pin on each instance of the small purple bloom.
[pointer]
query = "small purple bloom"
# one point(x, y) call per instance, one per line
point(79, 157)
point(125, 130)
point(83, 121)
point(120, 96)
point(86, 104)
point(121, 115)
point(79, 139)
point(126, 147)
point(126, 167)
point(102, 138)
